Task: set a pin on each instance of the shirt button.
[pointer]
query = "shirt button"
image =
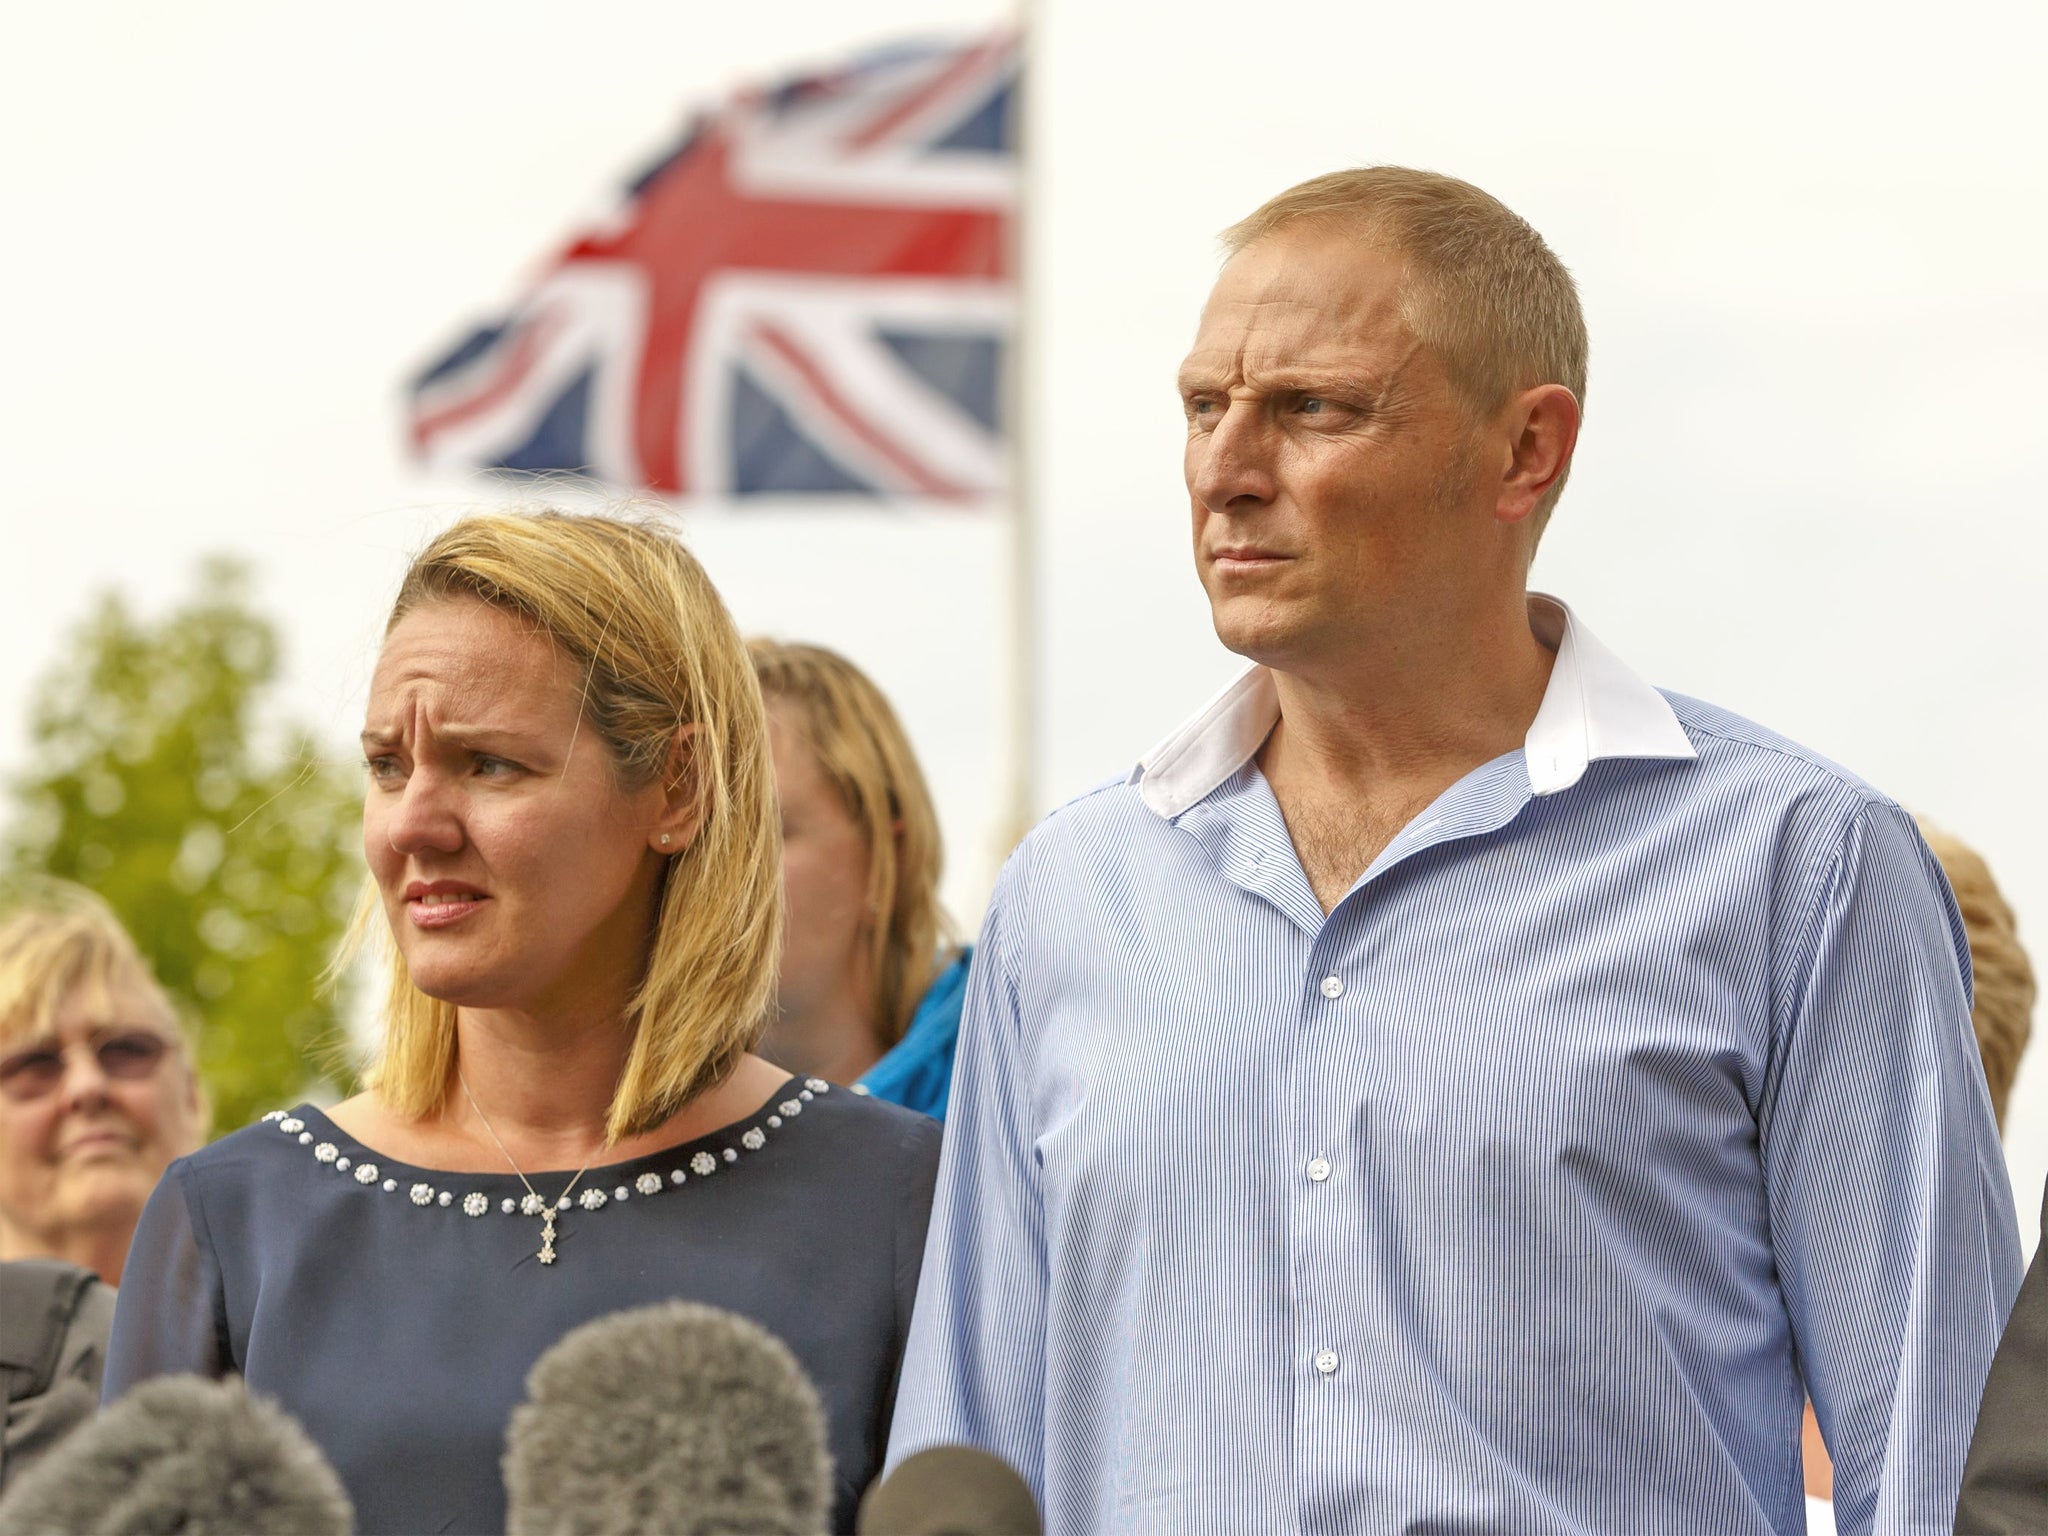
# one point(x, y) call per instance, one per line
point(1326, 1362)
point(1332, 987)
point(1319, 1170)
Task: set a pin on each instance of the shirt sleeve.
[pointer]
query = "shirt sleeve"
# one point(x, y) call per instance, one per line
point(1891, 1214)
point(170, 1315)
point(974, 1371)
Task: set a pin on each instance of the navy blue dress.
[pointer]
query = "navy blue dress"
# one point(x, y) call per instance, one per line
point(395, 1311)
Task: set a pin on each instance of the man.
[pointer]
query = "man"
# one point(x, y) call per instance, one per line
point(1451, 1086)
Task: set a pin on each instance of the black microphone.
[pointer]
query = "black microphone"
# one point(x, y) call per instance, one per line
point(676, 1420)
point(182, 1454)
point(950, 1490)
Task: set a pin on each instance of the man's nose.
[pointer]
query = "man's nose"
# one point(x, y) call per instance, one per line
point(1230, 466)
point(424, 816)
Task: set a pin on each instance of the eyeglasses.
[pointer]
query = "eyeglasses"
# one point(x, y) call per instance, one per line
point(126, 1056)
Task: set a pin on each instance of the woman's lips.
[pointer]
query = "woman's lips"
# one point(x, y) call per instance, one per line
point(97, 1143)
point(438, 910)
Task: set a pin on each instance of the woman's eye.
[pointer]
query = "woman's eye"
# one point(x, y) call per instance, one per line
point(31, 1070)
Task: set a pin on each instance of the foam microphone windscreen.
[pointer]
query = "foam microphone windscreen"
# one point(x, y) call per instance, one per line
point(676, 1420)
point(950, 1490)
point(186, 1455)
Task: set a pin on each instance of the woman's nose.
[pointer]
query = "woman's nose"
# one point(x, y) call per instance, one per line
point(423, 816)
point(84, 1084)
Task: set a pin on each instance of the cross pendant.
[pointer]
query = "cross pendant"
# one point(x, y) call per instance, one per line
point(547, 1237)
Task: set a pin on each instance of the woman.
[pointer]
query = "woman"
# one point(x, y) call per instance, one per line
point(97, 1091)
point(571, 835)
point(871, 988)
point(97, 1095)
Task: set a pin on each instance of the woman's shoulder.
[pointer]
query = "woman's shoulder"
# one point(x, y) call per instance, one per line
point(282, 1139)
point(861, 1124)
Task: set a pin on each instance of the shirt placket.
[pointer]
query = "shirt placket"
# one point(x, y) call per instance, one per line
point(1329, 1343)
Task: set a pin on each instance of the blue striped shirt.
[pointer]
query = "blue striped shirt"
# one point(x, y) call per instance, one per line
point(1626, 1099)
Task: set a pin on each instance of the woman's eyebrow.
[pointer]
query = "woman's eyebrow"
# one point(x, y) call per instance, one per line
point(455, 734)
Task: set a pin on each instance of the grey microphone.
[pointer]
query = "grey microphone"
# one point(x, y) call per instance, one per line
point(950, 1490)
point(676, 1420)
point(182, 1454)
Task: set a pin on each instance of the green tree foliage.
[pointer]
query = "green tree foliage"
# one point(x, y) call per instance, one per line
point(229, 848)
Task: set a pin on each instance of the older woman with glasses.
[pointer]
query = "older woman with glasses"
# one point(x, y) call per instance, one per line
point(97, 1091)
point(97, 1096)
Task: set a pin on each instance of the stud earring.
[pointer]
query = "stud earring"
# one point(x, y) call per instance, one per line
point(664, 839)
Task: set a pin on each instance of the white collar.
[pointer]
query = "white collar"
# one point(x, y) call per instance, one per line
point(1594, 707)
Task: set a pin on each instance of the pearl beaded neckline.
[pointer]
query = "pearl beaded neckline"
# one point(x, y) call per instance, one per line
point(701, 1164)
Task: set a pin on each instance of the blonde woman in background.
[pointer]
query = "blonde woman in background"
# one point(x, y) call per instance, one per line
point(570, 827)
point(97, 1088)
point(2002, 1016)
point(871, 982)
point(97, 1095)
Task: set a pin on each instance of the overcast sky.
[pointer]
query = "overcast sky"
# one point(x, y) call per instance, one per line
point(1809, 240)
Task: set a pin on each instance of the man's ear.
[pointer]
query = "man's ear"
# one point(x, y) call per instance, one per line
point(1542, 426)
point(681, 811)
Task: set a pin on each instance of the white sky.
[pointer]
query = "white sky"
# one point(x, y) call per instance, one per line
point(1809, 239)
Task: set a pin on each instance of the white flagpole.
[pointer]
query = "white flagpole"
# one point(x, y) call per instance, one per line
point(1021, 808)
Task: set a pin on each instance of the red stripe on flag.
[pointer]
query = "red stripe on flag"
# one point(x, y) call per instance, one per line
point(962, 68)
point(526, 355)
point(777, 341)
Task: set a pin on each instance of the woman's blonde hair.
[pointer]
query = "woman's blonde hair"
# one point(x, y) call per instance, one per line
point(662, 664)
point(858, 742)
point(56, 939)
point(2003, 1013)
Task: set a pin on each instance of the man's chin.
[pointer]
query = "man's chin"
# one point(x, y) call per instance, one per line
point(1263, 637)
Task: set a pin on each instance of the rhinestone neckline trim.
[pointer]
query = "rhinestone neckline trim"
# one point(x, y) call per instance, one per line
point(474, 1202)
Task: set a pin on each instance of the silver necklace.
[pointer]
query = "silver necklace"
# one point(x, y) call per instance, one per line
point(533, 1205)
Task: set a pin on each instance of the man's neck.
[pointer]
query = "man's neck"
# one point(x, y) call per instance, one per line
point(1366, 742)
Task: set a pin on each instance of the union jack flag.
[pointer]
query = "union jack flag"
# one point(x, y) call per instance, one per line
point(809, 296)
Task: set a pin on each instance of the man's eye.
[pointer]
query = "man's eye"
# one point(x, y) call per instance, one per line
point(381, 767)
point(1310, 406)
point(495, 767)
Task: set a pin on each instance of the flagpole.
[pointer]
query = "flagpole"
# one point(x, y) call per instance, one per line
point(1021, 810)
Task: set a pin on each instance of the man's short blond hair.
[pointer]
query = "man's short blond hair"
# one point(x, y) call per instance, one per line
point(1486, 294)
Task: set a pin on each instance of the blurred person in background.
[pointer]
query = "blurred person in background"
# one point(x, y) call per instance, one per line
point(871, 984)
point(571, 832)
point(2002, 1017)
point(97, 1095)
point(97, 1088)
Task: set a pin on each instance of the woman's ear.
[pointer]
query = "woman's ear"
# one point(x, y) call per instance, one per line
point(681, 811)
